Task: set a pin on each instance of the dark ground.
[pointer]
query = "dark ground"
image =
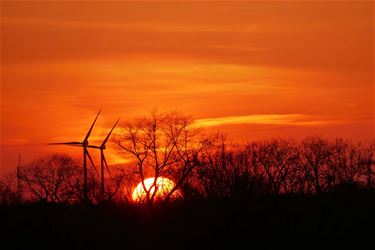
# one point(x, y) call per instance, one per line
point(273, 222)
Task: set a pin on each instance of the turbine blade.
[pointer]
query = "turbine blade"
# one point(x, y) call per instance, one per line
point(76, 145)
point(92, 162)
point(65, 143)
point(106, 165)
point(109, 134)
point(88, 133)
point(89, 156)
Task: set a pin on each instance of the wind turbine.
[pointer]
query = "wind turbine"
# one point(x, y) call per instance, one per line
point(84, 144)
point(103, 161)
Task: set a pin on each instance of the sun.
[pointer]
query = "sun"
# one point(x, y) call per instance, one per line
point(164, 187)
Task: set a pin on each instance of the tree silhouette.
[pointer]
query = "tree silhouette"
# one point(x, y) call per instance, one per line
point(8, 190)
point(51, 179)
point(162, 145)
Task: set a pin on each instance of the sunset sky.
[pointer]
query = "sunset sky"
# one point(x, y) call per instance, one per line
point(255, 70)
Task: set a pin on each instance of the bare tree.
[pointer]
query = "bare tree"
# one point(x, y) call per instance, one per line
point(8, 190)
point(315, 153)
point(162, 145)
point(114, 188)
point(51, 179)
point(277, 158)
point(214, 178)
point(370, 166)
point(229, 170)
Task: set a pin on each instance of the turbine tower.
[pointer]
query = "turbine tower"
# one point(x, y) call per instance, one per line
point(103, 161)
point(84, 144)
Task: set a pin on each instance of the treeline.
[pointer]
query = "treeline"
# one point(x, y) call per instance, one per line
point(56, 178)
point(280, 166)
point(202, 167)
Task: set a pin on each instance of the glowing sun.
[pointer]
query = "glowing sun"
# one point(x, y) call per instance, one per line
point(163, 187)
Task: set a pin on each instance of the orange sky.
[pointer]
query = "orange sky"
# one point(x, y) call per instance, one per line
point(253, 69)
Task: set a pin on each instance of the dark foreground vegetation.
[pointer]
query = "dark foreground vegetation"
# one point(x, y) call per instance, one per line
point(273, 221)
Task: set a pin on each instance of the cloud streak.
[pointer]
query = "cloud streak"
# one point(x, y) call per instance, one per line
point(264, 119)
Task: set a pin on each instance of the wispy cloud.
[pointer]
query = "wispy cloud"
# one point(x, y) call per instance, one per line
point(265, 119)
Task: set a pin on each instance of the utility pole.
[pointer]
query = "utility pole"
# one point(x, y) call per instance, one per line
point(19, 176)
